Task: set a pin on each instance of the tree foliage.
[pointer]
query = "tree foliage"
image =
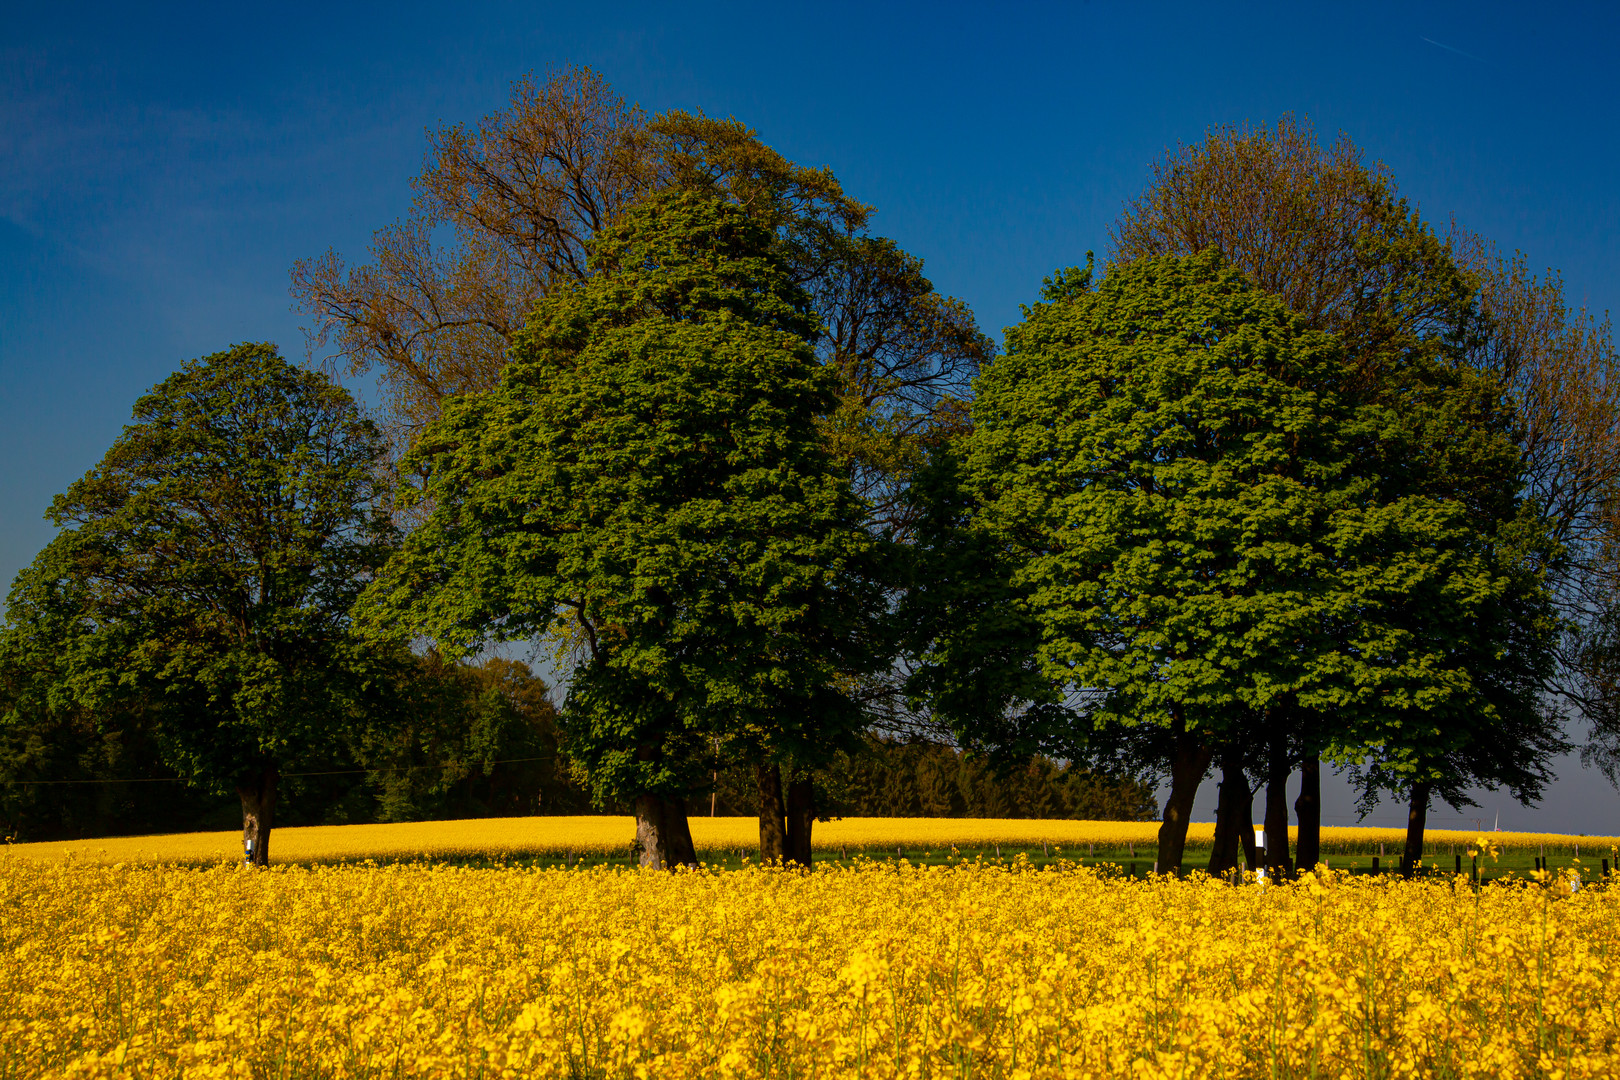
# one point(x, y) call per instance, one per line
point(1206, 539)
point(205, 573)
point(503, 217)
point(1561, 371)
point(435, 740)
point(650, 469)
point(1327, 231)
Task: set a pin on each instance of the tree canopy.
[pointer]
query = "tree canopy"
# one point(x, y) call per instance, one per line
point(1176, 460)
point(504, 215)
point(650, 467)
point(206, 569)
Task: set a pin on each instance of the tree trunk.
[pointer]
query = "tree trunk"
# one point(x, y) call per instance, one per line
point(772, 826)
point(662, 834)
point(651, 841)
point(258, 792)
point(1245, 816)
point(1417, 817)
point(801, 816)
point(681, 849)
point(1308, 812)
point(1279, 866)
point(1234, 794)
point(1190, 760)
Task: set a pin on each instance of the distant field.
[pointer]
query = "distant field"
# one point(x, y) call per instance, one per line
point(595, 837)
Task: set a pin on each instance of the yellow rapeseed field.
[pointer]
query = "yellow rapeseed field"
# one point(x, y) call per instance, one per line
point(875, 970)
point(556, 836)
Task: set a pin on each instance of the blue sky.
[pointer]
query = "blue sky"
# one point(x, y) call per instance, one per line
point(161, 167)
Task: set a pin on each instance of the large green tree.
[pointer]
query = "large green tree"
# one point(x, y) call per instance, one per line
point(503, 216)
point(650, 469)
point(1435, 328)
point(1179, 464)
point(1165, 452)
point(205, 573)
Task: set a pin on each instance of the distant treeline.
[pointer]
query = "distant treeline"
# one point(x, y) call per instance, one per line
point(926, 779)
point(470, 741)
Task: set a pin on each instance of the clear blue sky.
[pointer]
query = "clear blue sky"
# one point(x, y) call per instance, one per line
point(162, 167)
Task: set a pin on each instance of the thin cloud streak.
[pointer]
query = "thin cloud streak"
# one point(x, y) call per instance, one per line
point(1450, 49)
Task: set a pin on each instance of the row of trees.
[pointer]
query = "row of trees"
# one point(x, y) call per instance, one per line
point(1298, 480)
point(1304, 480)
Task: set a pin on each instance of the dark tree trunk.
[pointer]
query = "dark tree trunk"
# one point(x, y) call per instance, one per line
point(1417, 818)
point(1233, 798)
point(681, 848)
point(1308, 812)
point(772, 814)
point(1278, 865)
point(1189, 761)
point(662, 833)
point(801, 816)
point(258, 792)
point(1245, 816)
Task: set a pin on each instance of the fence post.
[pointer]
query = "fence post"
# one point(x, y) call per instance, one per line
point(1459, 864)
point(1375, 858)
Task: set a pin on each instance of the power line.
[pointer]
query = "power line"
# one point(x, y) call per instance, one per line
point(323, 772)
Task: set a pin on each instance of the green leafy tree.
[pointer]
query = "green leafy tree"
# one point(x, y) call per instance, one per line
point(649, 470)
point(503, 216)
point(1164, 452)
point(205, 572)
point(1179, 464)
point(1440, 331)
point(1474, 620)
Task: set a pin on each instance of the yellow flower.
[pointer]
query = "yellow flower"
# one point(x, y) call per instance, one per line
point(866, 969)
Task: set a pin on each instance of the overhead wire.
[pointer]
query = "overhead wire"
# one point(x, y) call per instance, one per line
point(322, 772)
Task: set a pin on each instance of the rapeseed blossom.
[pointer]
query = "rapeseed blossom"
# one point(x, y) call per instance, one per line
point(877, 969)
